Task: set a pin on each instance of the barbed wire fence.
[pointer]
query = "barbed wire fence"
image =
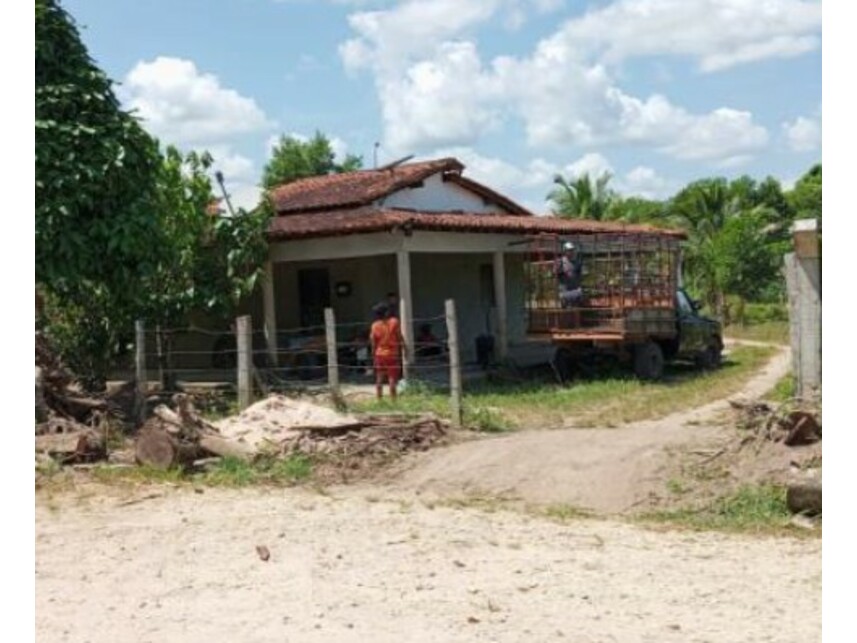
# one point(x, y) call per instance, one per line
point(242, 361)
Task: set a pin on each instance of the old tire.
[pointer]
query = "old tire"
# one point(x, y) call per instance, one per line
point(649, 361)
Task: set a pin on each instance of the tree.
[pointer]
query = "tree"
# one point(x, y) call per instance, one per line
point(95, 168)
point(582, 198)
point(293, 159)
point(638, 210)
point(805, 197)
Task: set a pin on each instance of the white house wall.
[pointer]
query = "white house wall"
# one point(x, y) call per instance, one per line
point(437, 195)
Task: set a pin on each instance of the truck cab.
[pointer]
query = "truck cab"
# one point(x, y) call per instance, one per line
point(699, 338)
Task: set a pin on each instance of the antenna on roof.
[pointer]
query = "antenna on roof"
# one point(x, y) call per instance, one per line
point(396, 163)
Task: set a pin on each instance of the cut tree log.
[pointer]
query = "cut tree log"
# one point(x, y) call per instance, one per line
point(804, 497)
point(226, 448)
point(157, 448)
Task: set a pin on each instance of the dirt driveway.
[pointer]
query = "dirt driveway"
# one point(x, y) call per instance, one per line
point(382, 563)
point(183, 567)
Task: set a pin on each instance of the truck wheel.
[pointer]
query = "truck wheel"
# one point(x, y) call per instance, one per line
point(563, 364)
point(649, 361)
point(710, 358)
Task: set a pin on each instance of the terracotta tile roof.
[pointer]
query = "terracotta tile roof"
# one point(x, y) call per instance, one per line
point(369, 219)
point(355, 188)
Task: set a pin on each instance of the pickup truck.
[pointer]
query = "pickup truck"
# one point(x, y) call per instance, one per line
point(629, 306)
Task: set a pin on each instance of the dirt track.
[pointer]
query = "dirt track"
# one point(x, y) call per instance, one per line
point(362, 565)
point(604, 470)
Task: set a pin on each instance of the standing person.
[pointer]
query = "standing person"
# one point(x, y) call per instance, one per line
point(569, 269)
point(385, 338)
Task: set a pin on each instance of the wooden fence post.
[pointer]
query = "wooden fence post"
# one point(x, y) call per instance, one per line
point(332, 357)
point(454, 363)
point(140, 372)
point(244, 340)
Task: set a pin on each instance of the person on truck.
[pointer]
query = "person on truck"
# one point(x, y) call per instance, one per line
point(569, 270)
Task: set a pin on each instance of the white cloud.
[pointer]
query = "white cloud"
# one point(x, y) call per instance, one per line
point(804, 134)
point(645, 182)
point(436, 91)
point(718, 33)
point(593, 164)
point(181, 105)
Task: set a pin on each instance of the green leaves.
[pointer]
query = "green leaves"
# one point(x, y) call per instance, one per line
point(294, 159)
point(582, 198)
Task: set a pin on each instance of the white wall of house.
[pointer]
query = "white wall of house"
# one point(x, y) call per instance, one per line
point(437, 195)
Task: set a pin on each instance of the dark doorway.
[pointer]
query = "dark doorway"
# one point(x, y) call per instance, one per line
point(314, 295)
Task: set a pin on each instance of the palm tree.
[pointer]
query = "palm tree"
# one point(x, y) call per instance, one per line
point(582, 198)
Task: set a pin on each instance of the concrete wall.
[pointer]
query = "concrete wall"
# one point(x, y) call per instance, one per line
point(437, 195)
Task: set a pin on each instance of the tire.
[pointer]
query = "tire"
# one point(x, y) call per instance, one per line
point(711, 358)
point(649, 361)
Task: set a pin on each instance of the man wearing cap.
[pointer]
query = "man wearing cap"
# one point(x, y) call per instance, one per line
point(569, 268)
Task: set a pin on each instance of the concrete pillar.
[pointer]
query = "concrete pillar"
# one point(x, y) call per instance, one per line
point(406, 307)
point(500, 300)
point(803, 277)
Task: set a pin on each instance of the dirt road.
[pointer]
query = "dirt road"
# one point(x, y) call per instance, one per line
point(603, 470)
point(382, 564)
point(183, 567)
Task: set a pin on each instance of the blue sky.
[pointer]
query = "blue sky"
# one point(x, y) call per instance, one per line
point(658, 92)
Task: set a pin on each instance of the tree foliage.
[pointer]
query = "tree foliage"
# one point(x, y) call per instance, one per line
point(95, 169)
point(293, 159)
point(582, 197)
point(123, 230)
point(805, 197)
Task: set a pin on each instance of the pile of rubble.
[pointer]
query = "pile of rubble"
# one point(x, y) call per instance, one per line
point(71, 424)
point(793, 423)
point(279, 426)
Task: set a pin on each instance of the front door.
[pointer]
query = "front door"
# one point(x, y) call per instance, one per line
point(691, 329)
point(313, 295)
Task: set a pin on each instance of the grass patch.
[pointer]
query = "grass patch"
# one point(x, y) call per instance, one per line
point(784, 390)
point(613, 400)
point(774, 332)
point(227, 472)
point(565, 513)
point(750, 509)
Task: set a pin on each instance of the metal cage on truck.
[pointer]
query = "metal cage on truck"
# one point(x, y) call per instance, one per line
point(628, 283)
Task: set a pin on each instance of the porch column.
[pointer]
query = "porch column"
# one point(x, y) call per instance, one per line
point(406, 307)
point(270, 312)
point(500, 299)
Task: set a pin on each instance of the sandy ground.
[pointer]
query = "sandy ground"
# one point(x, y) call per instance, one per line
point(383, 563)
point(183, 567)
point(603, 470)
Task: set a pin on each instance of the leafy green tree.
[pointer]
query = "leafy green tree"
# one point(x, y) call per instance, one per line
point(638, 210)
point(293, 159)
point(122, 231)
point(95, 169)
point(805, 197)
point(583, 197)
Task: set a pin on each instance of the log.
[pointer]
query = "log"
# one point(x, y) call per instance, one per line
point(157, 448)
point(71, 446)
point(226, 448)
point(803, 428)
point(804, 497)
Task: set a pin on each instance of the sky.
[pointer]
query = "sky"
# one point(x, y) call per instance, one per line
point(656, 92)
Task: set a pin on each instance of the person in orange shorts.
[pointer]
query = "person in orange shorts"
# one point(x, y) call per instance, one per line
point(385, 337)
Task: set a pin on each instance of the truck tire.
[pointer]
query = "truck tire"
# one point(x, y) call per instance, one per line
point(710, 358)
point(649, 361)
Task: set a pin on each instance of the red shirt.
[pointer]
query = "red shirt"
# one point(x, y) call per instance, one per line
point(386, 337)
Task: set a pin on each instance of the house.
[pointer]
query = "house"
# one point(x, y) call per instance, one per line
point(420, 229)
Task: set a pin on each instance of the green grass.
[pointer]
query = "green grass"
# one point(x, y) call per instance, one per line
point(784, 389)
point(227, 472)
point(774, 332)
point(610, 401)
point(750, 509)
